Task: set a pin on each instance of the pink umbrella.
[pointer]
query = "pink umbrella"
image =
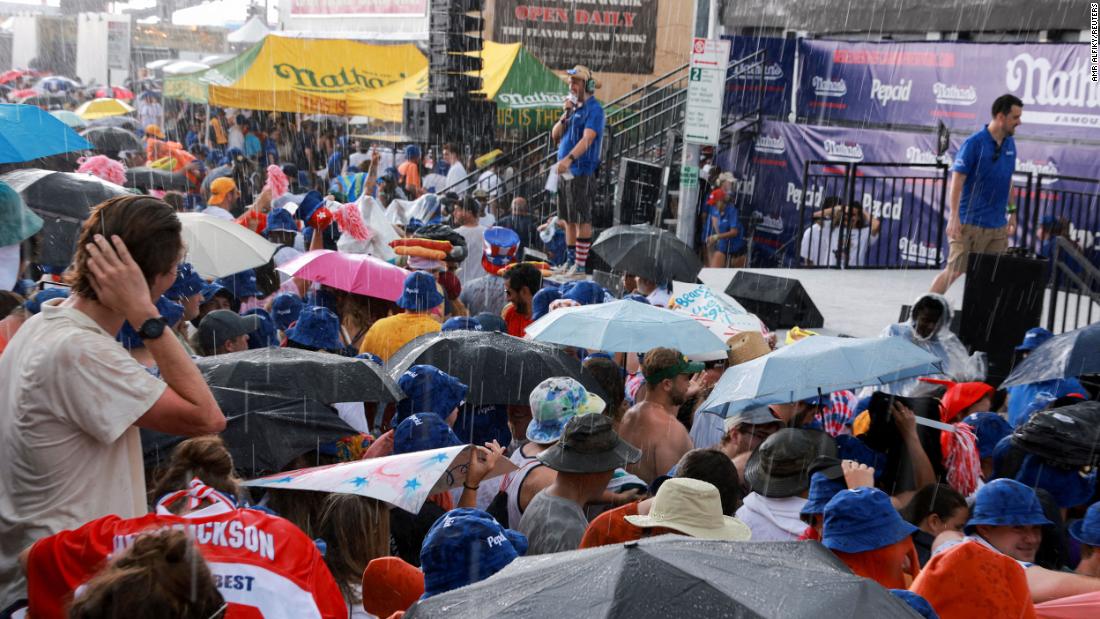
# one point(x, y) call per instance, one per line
point(1083, 606)
point(358, 273)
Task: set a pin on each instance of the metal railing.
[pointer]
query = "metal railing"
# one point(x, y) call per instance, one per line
point(1074, 288)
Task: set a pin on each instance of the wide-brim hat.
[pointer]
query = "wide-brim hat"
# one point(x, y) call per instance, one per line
point(780, 466)
point(17, 222)
point(420, 293)
point(589, 444)
point(861, 520)
point(1087, 529)
point(694, 508)
point(746, 346)
point(554, 402)
point(316, 327)
point(1005, 502)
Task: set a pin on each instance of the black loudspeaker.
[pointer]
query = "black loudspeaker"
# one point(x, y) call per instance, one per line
point(1002, 299)
point(780, 302)
point(638, 192)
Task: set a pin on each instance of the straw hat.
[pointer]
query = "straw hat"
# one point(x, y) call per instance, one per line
point(694, 508)
point(746, 346)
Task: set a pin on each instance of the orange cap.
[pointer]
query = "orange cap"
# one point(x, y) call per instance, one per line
point(154, 131)
point(219, 188)
point(390, 585)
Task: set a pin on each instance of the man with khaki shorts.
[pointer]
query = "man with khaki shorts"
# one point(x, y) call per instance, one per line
point(981, 182)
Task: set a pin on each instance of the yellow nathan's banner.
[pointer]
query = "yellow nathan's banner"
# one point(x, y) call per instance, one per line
point(319, 76)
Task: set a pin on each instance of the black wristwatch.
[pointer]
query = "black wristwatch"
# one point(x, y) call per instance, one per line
point(153, 328)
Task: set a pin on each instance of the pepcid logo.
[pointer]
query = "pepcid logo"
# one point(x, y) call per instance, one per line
point(885, 93)
point(842, 151)
point(949, 94)
point(768, 144)
point(829, 88)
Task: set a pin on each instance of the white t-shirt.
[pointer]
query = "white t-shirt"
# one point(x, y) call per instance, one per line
point(357, 158)
point(659, 297)
point(236, 137)
point(219, 212)
point(471, 268)
point(490, 182)
point(810, 248)
point(70, 397)
point(455, 174)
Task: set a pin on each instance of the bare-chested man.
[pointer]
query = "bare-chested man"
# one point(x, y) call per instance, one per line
point(651, 425)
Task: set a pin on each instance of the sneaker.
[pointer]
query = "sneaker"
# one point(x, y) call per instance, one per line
point(561, 268)
point(571, 270)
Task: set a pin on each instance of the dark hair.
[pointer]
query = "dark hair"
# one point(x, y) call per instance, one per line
point(831, 201)
point(452, 147)
point(8, 302)
point(927, 304)
point(205, 457)
point(161, 575)
point(716, 468)
point(610, 377)
point(1003, 104)
point(524, 276)
point(939, 499)
point(149, 228)
point(356, 530)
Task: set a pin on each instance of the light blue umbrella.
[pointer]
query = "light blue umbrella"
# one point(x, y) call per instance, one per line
point(70, 119)
point(818, 364)
point(28, 133)
point(624, 326)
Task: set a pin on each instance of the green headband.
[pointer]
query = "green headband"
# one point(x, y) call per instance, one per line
point(682, 367)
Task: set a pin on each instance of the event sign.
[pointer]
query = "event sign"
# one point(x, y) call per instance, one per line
point(744, 82)
point(706, 87)
point(618, 36)
point(358, 8)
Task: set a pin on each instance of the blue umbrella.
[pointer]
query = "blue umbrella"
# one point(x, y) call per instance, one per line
point(818, 364)
point(624, 326)
point(1068, 355)
point(28, 133)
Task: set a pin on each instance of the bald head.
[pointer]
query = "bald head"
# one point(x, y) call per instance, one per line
point(519, 206)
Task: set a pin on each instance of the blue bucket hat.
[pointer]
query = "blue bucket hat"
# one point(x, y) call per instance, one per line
point(483, 423)
point(540, 303)
point(233, 153)
point(285, 309)
point(428, 389)
point(280, 220)
point(169, 309)
point(1068, 487)
point(461, 323)
point(861, 520)
point(312, 201)
point(187, 283)
point(491, 322)
point(241, 285)
point(34, 304)
point(389, 173)
point(265, 336)
point(466, 546)
point(637, 296)
point(317, 327)
point(990, 429)
point(212, 289)
point(373, 358)
point(553, 403)
point(420, 294)
point(412, 150)
point(849, 447)
point(822, 489)
point(1033, 339)
point(585, 293)
point(1005, 502)
point(1087, 529)
point(421, 432)
point(916, 602)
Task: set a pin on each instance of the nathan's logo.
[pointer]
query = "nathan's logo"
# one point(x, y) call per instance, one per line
point(915, 154)
point(829, 88)
point(536, 99)
point(770, 224)
point(1034, 80)
point(768, 144)
point(913, 250)
point(346, 80)
point(842, 151)
point(1045, 168)
point(949, 94)
point(772, 72)
point(886, 93)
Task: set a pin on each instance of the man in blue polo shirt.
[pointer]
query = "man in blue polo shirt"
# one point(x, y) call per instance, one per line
point(981, 180)
point(579, 133)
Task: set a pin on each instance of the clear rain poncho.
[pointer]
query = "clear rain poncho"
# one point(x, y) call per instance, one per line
point(958, 365)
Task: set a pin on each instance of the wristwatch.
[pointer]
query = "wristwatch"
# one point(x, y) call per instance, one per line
point(153, 328)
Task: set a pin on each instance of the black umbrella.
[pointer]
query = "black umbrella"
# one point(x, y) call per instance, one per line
point(111, 140)
point(153, 178)
point(498, 368)
point(649, 252)
point(293, 373)
point(1068, 436)
point(63, 200)
point(1070, 354)
point(265, 436)
point(673, 576)
point(125, 122)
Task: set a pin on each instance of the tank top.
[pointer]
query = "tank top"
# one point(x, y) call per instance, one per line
point(512, 483)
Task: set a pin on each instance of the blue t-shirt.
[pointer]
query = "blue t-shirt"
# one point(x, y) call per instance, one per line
point(728, 220)
point(251, 145)
point(988, 170)
point(588, 116)
point(1022, 398)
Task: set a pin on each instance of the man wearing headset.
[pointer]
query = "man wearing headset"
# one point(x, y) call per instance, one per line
point(579, 133)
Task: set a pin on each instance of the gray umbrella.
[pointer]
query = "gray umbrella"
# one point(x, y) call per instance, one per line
point(1071, 354)
point(153, 178)
point(110, 140)
point(498, 368)
point(649, 252)
point(673, 576)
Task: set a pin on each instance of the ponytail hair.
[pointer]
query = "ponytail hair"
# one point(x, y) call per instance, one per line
point(204, 457)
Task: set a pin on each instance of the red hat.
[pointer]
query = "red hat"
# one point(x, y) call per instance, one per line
point(390, 585)
point(959, 397)
point(716, 196)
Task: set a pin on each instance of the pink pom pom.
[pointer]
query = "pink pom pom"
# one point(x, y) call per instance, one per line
point(276, 181)
point(102, 166)
point(351, 222)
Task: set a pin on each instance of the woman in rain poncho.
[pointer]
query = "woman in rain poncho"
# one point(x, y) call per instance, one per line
point(929, 328)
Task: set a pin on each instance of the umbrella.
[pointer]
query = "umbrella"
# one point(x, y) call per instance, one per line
point(404, 480)
point(673, 576)
point(357, 273)
point(124, 122)
point(498, 368)
point(153, 178)
point(114, 92)
point(266, 436)
point(1070, 354)
point(219, 248)
point(1068, 436)
point(28, 133)
point(111, 140)
point(24, 93)
point(815, 365)
point(63, 200)
point(293, 373)
point(55, 83)
point(70, 119)
point(648, 252)
point(100, 108)
point(12, 75)
point(624, 326)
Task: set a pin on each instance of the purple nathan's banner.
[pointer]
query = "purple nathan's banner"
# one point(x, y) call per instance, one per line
point(744, 83)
